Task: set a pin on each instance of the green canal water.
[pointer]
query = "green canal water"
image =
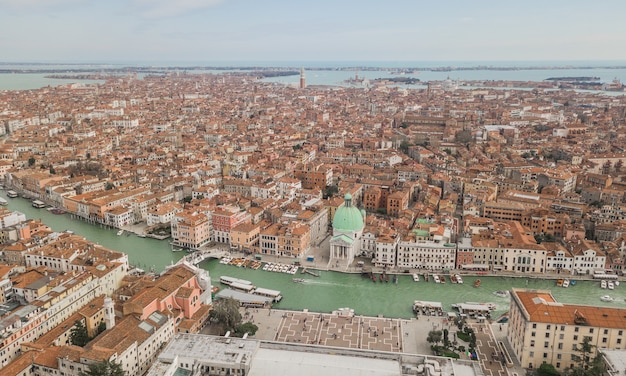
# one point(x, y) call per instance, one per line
point(331, 290)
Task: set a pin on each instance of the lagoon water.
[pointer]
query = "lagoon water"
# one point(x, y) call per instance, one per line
point(331, 290)
point(24, 81)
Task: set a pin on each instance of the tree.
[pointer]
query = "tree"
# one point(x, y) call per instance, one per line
point(31, 161)
point(109, 186)
point(404, 147)
point(330, 191)
point(226, 312)
point(446, 340)
point(546, 369)
point(587, 366)
point(244, 328)
point(104, 368)
point(463, 137)
point(434, 336)
point(78, 334)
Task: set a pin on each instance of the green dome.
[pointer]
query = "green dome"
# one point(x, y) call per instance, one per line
point(348, 217)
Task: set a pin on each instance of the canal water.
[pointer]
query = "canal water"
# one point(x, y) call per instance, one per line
point(331, 290)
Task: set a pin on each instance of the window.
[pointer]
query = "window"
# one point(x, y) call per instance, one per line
point(547, 335)
point(546, 344)
point(561, 336)
point(532, 343)
point(534, 326)
point(532, 334)
point(548, 327)
point(575, 338)
point(576, 329)
point(531, 354)
point(606, 331)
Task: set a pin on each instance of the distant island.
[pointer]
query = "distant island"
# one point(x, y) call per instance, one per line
point(402, 80)
point(287, 71)
point(573, 79)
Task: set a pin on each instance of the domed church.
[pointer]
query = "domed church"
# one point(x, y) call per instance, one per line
point(348, 225)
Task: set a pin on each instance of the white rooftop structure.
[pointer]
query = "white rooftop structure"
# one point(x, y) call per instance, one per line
point(198, 354)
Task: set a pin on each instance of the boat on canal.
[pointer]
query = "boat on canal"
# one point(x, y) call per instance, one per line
point(12, 194)
point(120, 232)
point(603, 284)
point(298, 280)
point(38, 204)
point(606, 298)
point(566, 283)
point(477, 283)
point(416, 277)
point(502, 294)
point(458, 278)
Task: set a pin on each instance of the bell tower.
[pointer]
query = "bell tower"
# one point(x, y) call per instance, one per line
point(302, 78)
point(109, 313)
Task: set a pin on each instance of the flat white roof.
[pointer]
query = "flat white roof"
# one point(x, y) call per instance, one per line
point(288, 363)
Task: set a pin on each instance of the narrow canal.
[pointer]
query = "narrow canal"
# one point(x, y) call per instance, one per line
point(331, 290)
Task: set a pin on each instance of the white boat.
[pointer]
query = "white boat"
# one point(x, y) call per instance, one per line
point(416, 277)
point(616, 283)
point(606, 298)
point(566, 283)
point(298, 280)
point(3, 202)
point(502, 294)
point(610, 285)
point(458, 278)
point(120, 232)
point(603, 284)
point(11, 194)
point(436, 278)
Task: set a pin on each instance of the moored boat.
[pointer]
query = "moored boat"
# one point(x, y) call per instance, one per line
point(606, 298)
point(120, 232)
point(458, 278)
point(477, 283)
point(603, 284)
point(416, 277)
point(502, 294)
point(610, 285)
point(566, 283)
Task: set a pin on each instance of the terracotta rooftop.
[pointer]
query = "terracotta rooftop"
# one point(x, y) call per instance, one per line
point(542, 307)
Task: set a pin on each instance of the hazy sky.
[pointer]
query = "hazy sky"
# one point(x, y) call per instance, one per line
point(313, 30)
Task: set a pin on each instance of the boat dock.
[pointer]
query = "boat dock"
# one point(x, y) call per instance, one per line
point(428, 308)
point(307, 271)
